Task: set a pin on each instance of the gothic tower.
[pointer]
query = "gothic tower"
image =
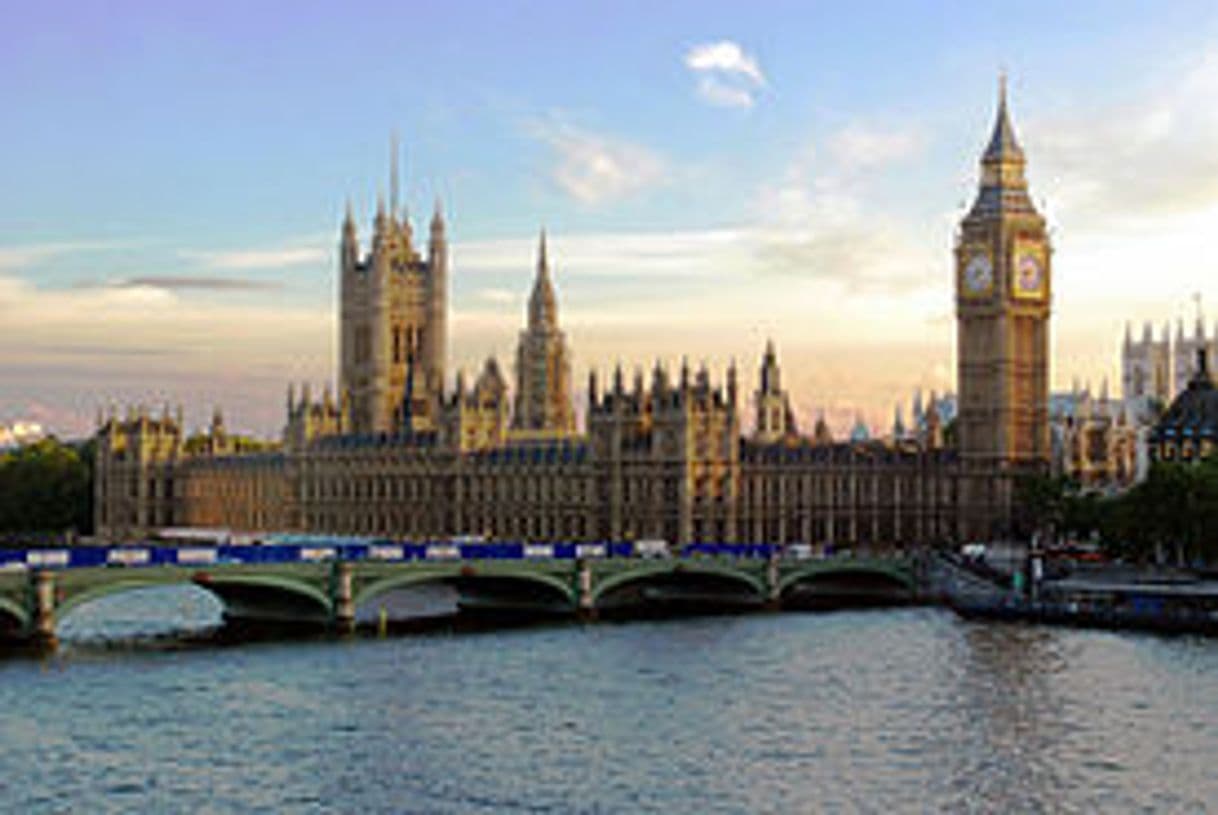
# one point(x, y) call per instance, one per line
point(393, 322)
point(775, 420)
point(543, 368)
point(1003, 288)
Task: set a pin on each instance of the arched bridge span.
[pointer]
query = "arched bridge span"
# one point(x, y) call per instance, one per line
point(326, 585)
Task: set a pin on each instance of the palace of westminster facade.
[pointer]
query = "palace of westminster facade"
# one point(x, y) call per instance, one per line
point(394, 451)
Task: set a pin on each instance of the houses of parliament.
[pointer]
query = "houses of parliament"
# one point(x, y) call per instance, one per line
point(398, 449)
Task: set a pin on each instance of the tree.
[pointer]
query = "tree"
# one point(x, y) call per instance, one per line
point(1040, 503)
point(46, 487)
point(1172, 515)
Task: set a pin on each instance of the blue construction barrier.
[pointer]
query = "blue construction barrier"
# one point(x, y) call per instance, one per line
point(281, 549)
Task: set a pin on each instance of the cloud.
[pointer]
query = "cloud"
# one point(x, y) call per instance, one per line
point(273, 258)
point(861, 147)
point(81, 348)
point(1142, 159)
point(596, 169)
point(825, 217)
point(727, 75)
point(861, 258)
point(721, 94)
point(641, 255)
point(497, 296)
point(172, 283)
point(16, 257)
point(725, 57)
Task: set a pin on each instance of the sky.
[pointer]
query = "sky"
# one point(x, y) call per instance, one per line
point(710, 174)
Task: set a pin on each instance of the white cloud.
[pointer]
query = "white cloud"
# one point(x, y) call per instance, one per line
point(620, 255)
point(727, 75)
point(82, 348)
point(188, 283)
point(862, 147)
point(1147, 157)
point(824, 219)
point(727, 57)
point(498, 296)
point(16, 257)
point(720, 93)
point(597, 169)
point(272, 258)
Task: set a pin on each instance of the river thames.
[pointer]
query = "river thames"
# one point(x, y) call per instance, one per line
point(904, 710)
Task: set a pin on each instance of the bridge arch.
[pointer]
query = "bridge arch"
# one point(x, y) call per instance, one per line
point(892, 573)
point(833, 585)
point(663, 569)
point(270, 598)
point(74, 599)
point(13, 616)
point(384, 585)
point(227, 589)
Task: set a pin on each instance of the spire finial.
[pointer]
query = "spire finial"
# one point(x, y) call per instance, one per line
point(543, 263)
point(1003, 145)
point(393, 172)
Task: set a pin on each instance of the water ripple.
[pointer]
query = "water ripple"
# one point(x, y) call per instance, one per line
point(908, 711)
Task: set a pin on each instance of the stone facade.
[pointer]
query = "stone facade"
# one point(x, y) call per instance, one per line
point(393, 324)
point(1156, 371)
point(1146, 367)
point(397, 453)
point(150, 476)
point(1003, 288)
point(1098, 441)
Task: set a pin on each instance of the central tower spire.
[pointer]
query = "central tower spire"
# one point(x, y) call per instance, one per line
point(543, 366)
point(543, 305)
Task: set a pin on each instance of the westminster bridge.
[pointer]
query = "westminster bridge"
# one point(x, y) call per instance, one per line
point(319, 584)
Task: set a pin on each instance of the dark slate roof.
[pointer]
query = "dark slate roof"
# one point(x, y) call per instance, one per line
point(1003, 145)
point(857, 453)
point(993, 200)
point(353, 441)
point(240, 460)
point(540, 451)
point(1194, 413)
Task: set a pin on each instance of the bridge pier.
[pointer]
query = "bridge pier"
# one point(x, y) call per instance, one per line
point(585, 603)
point(773, 583)
point(342, 598)
point(42, 610)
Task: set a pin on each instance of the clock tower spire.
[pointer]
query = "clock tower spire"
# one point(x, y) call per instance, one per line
point(1003, 260)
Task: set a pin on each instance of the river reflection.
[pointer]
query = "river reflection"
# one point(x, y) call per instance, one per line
point(905, 711)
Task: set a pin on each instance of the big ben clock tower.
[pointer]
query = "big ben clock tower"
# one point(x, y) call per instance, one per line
point(1003, 291)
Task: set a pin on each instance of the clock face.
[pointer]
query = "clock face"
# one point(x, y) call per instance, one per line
point(978, 274)
point(1029, 274)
